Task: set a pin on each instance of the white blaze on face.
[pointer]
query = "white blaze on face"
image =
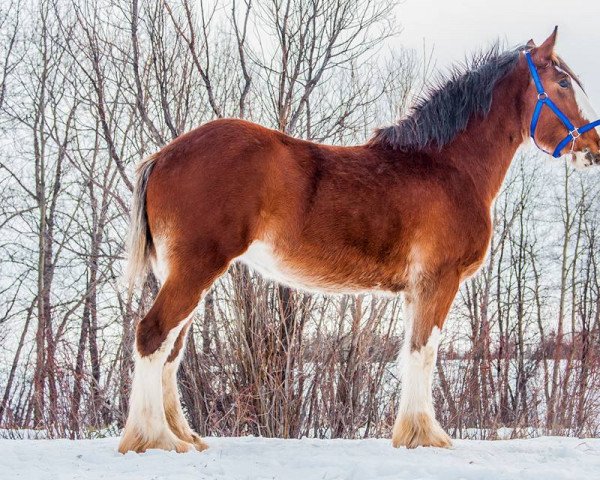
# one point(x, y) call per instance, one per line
point(586, 109)
point(582, 159)
point(583, 102)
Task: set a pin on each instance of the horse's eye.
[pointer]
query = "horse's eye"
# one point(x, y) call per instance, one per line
point(564, 83)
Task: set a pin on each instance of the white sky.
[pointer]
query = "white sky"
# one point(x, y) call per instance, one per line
point(455, 28)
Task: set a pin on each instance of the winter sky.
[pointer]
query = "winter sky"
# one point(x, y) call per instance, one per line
point(454, 28)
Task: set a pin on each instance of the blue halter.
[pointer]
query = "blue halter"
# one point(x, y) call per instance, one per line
point(544, 99)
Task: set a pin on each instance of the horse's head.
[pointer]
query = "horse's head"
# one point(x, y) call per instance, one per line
point(557, 114)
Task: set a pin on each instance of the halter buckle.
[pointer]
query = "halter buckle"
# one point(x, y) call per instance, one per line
point(575, 134)
point(542, 96)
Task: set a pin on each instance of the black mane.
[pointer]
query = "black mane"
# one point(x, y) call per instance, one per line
point(445, 110)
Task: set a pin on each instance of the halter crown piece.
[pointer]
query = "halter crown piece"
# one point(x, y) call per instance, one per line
point(543, 99)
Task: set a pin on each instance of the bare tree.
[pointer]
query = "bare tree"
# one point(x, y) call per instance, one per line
point(88, 89)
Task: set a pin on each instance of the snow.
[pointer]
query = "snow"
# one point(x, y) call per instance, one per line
point(250, 458)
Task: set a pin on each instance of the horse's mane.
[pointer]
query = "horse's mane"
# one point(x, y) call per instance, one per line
point(444, 111)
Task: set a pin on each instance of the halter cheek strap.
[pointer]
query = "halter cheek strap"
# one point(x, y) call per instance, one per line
point(543, 99)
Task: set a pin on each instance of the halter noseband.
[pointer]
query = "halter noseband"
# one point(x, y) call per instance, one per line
point(544, 99)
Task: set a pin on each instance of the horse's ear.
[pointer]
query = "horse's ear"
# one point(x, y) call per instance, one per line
point(530, 44)
point(544, 52)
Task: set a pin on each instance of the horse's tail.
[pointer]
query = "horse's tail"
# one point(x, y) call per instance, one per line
point(139, 242)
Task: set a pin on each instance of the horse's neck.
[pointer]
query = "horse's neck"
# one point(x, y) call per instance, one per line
point(486, 148)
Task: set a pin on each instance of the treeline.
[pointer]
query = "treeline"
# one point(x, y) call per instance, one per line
point(90, 88)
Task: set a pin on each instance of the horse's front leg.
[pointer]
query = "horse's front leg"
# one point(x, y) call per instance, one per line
point(427, 303)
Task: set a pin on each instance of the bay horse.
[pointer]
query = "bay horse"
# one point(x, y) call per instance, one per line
point(409, 211)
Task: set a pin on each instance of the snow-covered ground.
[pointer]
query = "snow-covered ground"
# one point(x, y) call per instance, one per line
point(260, 458)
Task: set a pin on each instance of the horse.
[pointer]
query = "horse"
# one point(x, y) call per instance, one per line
point(406, 212)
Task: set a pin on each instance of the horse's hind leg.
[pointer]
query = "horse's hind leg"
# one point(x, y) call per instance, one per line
point(175, 417)
point(156, 334)
point(426, 305)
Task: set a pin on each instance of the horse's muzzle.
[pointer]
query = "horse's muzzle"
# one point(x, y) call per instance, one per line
point(585, 158)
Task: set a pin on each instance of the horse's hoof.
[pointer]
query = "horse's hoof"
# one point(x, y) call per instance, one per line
point(134, 442)
point(188, 435)
point(198, 443)
point(419, 430)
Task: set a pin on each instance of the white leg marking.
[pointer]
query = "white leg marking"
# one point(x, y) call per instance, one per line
point(416, 372)
point(146, 409)
point(172, 403)
point(170, 390)
point(416, 424)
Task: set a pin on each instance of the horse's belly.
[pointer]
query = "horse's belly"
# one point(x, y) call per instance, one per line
point(261, 257)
